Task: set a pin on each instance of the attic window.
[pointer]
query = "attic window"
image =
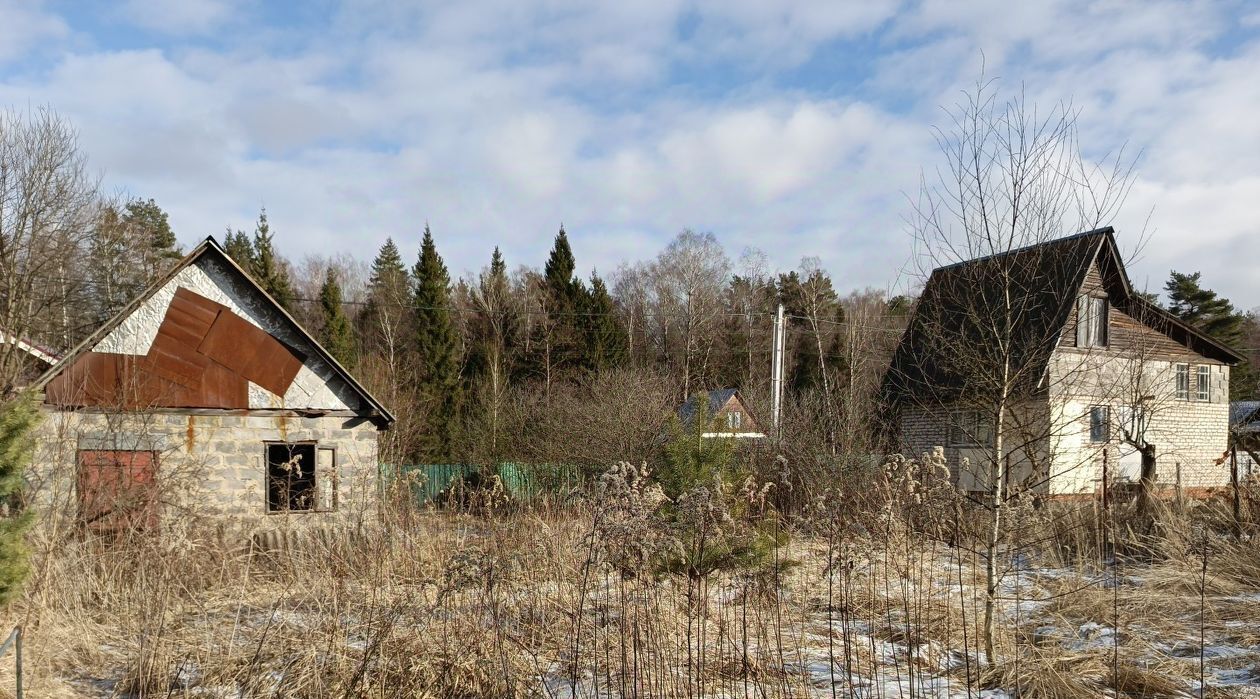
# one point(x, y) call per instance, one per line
point(1203, 385)
point(734, 420)
point(301, 477)
point(1091, 325)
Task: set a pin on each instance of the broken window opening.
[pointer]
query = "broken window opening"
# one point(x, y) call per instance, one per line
point(291, 482)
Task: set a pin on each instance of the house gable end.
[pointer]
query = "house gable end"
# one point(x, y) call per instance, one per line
point(206, 336)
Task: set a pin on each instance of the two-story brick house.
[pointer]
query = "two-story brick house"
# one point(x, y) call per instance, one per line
point(1099, 373)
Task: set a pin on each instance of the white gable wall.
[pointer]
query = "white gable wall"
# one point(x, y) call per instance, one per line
point(317, 385)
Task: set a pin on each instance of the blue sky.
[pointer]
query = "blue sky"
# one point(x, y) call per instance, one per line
point(795, 128)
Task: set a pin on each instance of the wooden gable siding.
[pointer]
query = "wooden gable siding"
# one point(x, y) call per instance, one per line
point(1126, 334)
point(734, 404)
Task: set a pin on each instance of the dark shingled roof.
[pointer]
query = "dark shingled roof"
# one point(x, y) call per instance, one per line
point(716, 400)
point(1044, 282)
point(1244, 416)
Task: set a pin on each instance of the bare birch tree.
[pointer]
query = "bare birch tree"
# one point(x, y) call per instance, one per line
point(1012, 177)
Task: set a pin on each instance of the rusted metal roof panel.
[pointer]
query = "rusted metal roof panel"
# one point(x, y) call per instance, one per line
point(203, 356)
point(251, 352)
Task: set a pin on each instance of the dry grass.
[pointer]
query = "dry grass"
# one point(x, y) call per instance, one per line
point(539, 602)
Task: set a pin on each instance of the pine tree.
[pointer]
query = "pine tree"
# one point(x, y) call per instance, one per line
point(151, 226)
point(336, 335)
point(17, 421)
point(1203, 308)
point(268, 268)
point(605, 338)
point(437, 351)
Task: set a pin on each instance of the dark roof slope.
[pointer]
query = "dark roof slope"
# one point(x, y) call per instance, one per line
point(716, 399)
point(947, 338)
point(1244, 416)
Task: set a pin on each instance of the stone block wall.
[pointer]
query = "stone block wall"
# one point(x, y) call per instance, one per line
point(211, 467)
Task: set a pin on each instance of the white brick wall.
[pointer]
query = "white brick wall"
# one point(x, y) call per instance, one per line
point(210, 466)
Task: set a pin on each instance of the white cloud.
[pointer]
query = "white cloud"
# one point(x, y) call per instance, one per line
point(179, 17)
point(25, 25)
point(497, 120)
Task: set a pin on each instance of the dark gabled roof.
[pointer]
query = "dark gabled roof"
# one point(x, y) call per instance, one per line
point(1044, 280)
point(1244, 416)
point(210, 247)
point(716, 399)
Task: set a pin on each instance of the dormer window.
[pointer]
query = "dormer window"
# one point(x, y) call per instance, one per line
point(1091, 321)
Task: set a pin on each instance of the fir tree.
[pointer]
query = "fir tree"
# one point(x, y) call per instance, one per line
point(17, 421)
point(605, 338)
point(268, 269)
point(561, 341)
point(381, 322)
point(492, 332)
point(336, 334)
point(240, 249)
point(437, 351)
point(562, 288)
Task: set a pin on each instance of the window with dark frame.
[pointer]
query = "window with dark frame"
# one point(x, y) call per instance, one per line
point(1099, 425)
point(291, 477)
point(968, 429)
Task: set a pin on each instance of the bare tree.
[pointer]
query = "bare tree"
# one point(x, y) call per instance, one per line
point(688, 278)
point(1012, 178)
point(47, 205)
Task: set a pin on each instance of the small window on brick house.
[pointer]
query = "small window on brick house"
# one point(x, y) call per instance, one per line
point(1183, 382)
point(968, 428)
point(1203, 383)
point(1099, 425)
point(291, 477)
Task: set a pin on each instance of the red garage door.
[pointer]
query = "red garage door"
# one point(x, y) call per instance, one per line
point(116, 490)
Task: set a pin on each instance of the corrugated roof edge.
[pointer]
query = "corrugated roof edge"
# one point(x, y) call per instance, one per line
point(212, 245)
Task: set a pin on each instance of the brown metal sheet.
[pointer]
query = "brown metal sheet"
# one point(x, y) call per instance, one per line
point(251, 352)
point(202, 357)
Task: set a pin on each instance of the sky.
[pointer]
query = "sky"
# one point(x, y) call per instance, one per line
point(798, 128)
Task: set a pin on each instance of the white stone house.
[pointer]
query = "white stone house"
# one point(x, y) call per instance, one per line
point(1103, 372)
point(204, 399)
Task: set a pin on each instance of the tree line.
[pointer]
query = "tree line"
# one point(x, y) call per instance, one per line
point(528, 363)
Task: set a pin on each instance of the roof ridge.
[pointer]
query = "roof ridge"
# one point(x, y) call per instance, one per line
point(1104, 231)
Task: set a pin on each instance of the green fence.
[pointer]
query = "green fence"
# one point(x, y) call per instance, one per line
point(431, 482)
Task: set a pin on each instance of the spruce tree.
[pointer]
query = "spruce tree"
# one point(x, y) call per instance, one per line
point(336, 335)
point(605, 338)
point(268, 269)
point(437, 352)
point(564, 299)
point(381, 321)
point(240, 249)
point(18, 419)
